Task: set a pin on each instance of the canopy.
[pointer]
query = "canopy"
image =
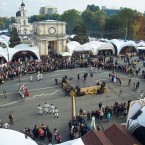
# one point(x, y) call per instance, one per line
point(73, 142)
point(135, 107)
point(120, 44)
point(21, 48)
point(66, 54)
point(11, 137)
point(93, 46)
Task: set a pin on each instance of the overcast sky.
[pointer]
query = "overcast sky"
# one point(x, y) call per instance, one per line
point(10, 7)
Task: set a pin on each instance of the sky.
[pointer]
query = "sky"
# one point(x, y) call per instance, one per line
point(10, 7)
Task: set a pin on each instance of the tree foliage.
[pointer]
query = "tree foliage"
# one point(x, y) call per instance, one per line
point(71, 17)
point(81, 34)
point(14, 37)
point(93, 8)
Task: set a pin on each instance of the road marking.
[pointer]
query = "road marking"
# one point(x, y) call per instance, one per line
point(11, 103)
point(32, 90)
point(60, 70)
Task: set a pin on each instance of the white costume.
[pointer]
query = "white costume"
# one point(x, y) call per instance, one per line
point(31, 78)
point(41, 76)
point(46, 107)
point(93, 124)
point(56, 112)
point(38, 77)
point(39, 110)
point(114, 80)
point(52, 109)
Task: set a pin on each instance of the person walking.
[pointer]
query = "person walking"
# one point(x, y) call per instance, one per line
point(137, 85)
point(129, 82)
point(11, 118)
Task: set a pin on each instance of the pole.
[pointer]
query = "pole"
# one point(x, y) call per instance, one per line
point(73, 104)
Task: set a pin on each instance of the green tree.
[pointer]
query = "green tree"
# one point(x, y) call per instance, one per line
point(89, 19)
point(14, 37)
point(81, 34)
point(93, 8)
point(71, 17)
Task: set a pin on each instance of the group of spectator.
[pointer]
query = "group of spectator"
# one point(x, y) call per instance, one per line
point(41, 133)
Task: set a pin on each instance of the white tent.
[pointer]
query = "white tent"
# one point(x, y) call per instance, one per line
point(66, 54)
point(93, 46)
point(19, 48)
point(71, 46)
point(73, 142)
point(135, 107)
point(120, 44)
point(11, 137)
point(4, 53)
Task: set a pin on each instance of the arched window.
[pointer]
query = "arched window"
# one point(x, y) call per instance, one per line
point(23, 14)
point(24, 22)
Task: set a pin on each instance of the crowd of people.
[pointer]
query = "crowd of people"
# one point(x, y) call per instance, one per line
point(81, 124)
point(85, 121)
point(42, 132)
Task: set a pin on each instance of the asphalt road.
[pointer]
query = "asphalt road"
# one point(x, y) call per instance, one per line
point(25, 112)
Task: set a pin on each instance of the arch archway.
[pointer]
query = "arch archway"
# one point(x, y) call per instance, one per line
point(3, 60)
point(24, 56)
point(128, 50)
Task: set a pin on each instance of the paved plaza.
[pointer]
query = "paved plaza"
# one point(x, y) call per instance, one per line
point(25, 112)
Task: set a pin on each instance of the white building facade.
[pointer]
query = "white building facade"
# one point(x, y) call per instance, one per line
point(24, 28)
point(50, 35)
point(48, 10)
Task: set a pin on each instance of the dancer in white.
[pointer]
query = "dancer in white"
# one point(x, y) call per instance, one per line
point(39, 110)
point(56, 113)
point(46, 107)
point(52, 109)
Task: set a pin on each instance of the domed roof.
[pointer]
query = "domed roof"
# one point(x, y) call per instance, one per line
point(22, 5)
point(18, 13)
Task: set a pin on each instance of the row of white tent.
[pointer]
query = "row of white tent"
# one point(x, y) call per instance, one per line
point(94, 46)
point(8, 53)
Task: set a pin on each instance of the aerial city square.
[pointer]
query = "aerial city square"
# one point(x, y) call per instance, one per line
point(72, 72)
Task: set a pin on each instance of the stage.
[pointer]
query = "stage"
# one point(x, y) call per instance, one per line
point(88, 86)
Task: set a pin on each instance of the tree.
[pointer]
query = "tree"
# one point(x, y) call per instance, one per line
point(71, 17)
point(81, 34)
point(89, 19)
point(14, 37)
point(93, 8)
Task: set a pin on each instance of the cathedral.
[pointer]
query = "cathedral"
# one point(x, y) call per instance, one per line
point(24, 28)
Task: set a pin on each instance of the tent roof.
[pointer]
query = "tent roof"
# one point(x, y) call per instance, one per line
point(121, 44)
point(11, 137)
point(139, 120)
point(93, 46)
